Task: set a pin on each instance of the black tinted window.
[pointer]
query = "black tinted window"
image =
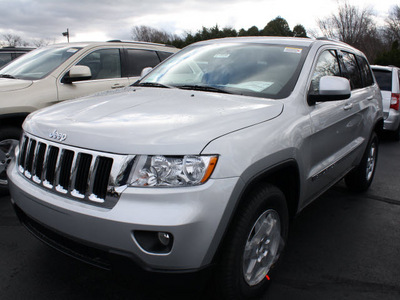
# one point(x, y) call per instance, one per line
point(365, 71)
point(327, 65)
point(18, 54)
point(164, 55)
point(5, 58)
point(140, 59)
point(384, 79)
point(351, 70)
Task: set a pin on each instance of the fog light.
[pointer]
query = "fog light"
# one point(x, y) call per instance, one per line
point(164, 238)
point(157, 242)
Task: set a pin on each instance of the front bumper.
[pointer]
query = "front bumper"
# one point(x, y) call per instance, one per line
point(191, 214)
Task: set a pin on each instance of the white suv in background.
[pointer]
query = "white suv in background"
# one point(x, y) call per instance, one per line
point(8, 54)
point(51, 74)
point(388, 80)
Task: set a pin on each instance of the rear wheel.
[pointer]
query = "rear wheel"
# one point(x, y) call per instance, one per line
point(254, 245)
point(9, 137)
point(361, 177)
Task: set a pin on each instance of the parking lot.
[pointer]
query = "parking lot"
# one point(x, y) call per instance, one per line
point(343, 246)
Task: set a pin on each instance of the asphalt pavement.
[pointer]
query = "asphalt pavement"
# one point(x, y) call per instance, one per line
point(343, 246)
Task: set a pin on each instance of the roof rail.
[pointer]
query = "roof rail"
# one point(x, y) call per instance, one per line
point(140, 42)
point(17, 47)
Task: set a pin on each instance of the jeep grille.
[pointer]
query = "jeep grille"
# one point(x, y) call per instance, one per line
point(87, 176)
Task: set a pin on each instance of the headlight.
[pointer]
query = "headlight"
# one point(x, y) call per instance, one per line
point(172, 171)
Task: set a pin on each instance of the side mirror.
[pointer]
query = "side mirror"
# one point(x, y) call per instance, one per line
point(145, 71)
point(77, 73)
point(331, 88)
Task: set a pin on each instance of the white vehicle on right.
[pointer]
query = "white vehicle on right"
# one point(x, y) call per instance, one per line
point(388, 78)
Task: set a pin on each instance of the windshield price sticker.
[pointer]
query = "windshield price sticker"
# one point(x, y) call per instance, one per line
point(293, 50)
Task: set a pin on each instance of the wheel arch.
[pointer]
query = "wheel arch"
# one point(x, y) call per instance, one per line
point(13, 120)
point(378, 128)
point(284, 175)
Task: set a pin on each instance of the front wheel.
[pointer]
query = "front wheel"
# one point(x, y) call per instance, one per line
point(361, 177)
point(254, 245)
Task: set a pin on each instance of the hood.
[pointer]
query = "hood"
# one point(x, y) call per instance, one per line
point(150, 120)
point(8, 85)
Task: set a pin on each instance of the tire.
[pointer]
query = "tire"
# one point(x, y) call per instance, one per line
point(8, 135)
point(239, 274)
point(360, 178)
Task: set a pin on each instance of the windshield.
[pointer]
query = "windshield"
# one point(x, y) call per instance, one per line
point(259, 70)
point(38, 64)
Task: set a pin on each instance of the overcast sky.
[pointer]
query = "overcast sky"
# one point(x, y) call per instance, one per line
point(99, 20)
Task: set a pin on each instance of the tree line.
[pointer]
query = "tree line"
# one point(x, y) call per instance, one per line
point(276, 27)
point(350, 24)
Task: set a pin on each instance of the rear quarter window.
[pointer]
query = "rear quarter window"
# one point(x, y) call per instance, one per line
point(164, 55)
point(384, 79)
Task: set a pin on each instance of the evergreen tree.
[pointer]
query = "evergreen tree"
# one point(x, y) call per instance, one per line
point(277, 27)
point(391, 57)
point(299, 31)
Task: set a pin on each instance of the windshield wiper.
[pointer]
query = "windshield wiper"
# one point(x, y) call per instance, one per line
point(203, 88)
point(7, 76)
point(153, 84)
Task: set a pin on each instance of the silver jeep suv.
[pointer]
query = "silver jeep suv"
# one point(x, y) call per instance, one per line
point(202, 162)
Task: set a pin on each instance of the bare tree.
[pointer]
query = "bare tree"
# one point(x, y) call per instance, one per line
point(350, 25)
point(13, 40)
point(40, 43)
point(353, 26)
point(392, 29)
point(149, 34)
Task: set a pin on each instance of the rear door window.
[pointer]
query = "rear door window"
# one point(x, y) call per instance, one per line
point(351, 70)
point(384, 79)
point(140, 59)
point(365, 71)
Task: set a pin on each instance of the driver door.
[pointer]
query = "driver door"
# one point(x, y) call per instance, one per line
point(105, 67)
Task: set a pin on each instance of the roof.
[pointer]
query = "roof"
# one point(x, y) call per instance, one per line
point(273, 40)
point(10, 48)
point(304, 42)
point(386, 68)
point(112, 42)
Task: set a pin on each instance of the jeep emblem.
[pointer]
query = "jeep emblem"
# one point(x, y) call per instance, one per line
point(58, 136)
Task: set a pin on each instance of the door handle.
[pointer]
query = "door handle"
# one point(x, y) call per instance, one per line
point(348, 106)
point(370, 97)
point(117, 86)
